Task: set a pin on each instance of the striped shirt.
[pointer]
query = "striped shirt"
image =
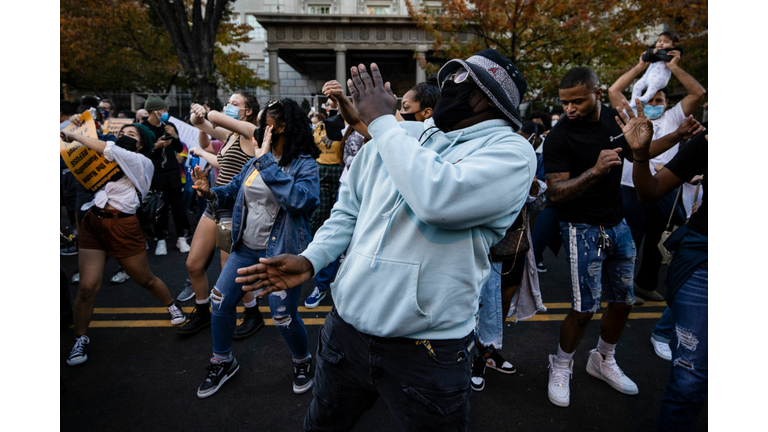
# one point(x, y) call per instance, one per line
point(231, 162)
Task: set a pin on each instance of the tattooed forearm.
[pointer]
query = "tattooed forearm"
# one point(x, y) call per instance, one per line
point(562, 188)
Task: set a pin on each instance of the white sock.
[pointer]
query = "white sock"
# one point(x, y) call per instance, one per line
point(205, 301)
point(563, 357)
point(224, 358)
point(605, 348)
point(251, 303)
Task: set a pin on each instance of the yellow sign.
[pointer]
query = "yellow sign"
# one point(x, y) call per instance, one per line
point(112, 126)
point(89, 167)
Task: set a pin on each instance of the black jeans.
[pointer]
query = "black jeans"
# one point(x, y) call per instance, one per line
point(170, 184)
point(423, 391)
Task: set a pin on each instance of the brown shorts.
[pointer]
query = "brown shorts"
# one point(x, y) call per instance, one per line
point(119, 237)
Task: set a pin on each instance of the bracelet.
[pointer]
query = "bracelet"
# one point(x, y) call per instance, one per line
point(206, 116)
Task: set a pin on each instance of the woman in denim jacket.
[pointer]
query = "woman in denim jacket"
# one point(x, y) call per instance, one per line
point(272, 200)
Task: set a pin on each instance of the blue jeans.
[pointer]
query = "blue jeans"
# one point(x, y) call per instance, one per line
point(686, 390)
point(283, 304)
point(425, 386)
point(588, 268)
point(327, 275)
point(490, 322)
point(663, 331)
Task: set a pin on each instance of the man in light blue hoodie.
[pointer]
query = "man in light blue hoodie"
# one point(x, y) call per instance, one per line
point(421, 206)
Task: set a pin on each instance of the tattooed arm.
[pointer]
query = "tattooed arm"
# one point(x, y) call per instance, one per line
point(562, 187)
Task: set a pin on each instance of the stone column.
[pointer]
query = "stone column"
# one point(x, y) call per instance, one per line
point(341, 66)
point(274, 73)
point(421, 75)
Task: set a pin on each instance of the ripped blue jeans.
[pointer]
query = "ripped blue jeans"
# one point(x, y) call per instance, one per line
point(686, 389)
point(283, 304)
point(588, 269)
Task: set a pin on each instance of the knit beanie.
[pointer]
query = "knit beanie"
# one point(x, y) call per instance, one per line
point(154, 103)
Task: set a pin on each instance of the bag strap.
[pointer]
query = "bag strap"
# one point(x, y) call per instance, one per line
point(213, 207)
point(347, 133)
point(674, 207)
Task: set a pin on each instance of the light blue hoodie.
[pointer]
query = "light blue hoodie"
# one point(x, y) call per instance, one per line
point(416, 222)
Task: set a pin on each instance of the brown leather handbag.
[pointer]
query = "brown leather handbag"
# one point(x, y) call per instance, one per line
point(514, 242)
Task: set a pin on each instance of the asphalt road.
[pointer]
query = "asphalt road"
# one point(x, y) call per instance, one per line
point(141, 375)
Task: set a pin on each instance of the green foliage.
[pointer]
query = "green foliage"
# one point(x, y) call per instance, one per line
point(122, 45)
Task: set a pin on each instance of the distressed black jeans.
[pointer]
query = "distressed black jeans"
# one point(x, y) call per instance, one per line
point(425, 385)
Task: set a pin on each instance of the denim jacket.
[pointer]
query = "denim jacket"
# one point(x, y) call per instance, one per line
point(298, 193)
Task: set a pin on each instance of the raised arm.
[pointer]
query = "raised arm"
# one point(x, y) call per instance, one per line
point(197, 118)
point(91, 143)
point(333, 90)
point(615, 91)
point(244, 128)
point(208, 156)
point(695, 90)
point(638, 131)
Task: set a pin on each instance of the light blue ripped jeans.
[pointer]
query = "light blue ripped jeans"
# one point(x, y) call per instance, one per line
point(490, 322)
point(588, 268)
point(283, 304)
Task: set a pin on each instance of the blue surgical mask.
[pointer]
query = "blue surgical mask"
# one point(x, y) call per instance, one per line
point(653, 111)
point(164, 117)
point(232, 111)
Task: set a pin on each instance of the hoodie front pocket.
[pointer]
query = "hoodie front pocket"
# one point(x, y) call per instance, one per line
point(380, 300)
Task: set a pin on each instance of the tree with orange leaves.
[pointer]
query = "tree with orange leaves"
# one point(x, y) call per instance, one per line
point(545, 38)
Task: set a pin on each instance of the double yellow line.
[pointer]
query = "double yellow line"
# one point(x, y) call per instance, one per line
point(546, 316)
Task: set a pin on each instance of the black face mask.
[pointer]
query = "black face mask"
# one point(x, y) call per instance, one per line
point(126, 142)
point(454, 105)
point(144, 119)
point(408, 116)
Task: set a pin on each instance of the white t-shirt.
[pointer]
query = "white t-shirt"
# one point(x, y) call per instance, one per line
point(121, 193)
point(664, 125)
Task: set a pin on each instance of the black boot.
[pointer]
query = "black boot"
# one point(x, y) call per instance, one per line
point(252, 322)
point(198, 320)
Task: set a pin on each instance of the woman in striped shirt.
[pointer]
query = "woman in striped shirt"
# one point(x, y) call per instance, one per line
point(242, 110)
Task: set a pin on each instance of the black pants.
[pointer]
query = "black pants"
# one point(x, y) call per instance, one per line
point(423, 391)
point(169, 183)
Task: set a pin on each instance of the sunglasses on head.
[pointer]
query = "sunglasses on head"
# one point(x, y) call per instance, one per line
point(459, 76)
point(272, 103)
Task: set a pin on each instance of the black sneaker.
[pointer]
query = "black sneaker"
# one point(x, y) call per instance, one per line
point(199, 319)
point(79, 353)
point(302, 376)
point(496, 362)
point(252, 322)
point(478, 372)
point(218, 373)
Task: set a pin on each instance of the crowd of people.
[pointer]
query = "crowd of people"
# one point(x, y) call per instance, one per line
point(388, 205)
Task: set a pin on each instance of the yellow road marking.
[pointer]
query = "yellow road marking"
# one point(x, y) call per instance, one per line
point(167, 323)
point(302, 309)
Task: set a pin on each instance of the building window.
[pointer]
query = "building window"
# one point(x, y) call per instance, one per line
point(258, 32)
point(378, 10)
point(320, 9)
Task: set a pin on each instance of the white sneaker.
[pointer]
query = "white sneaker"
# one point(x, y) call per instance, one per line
point(608, 371)
point(120, 277)
point(662, 349)
point(177, 315)
point(182, 245)
point(559, 386)
point(76, 278)
point(161, 249)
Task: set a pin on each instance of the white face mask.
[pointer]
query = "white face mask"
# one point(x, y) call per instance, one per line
point(554, 122)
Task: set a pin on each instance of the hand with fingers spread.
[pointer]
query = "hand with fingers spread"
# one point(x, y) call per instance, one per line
point(201, 185)
point(638, 130)
point(373, 97)
point(278, 273)
point(688, 128)
point(266, 143)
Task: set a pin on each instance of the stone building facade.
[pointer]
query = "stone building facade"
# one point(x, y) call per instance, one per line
point(301, 44)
